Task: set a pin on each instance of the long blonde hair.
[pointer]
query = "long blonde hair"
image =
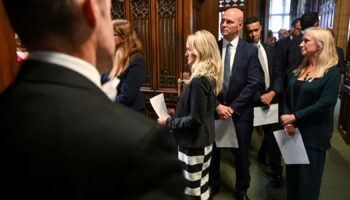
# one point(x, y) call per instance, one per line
point(208, 62)
point(327, 55)
point(129, 48)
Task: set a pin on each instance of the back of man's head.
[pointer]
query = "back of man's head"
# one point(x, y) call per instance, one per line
point(35, 19)
point(308, 20)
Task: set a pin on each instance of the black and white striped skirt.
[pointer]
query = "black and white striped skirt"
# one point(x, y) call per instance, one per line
point(195, 165)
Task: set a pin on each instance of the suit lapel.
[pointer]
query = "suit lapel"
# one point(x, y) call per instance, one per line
point(238, 55)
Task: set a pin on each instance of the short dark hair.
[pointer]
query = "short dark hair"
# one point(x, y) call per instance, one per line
point(251, 20)
point(308, 20)
point(269, 33)
point(34, 19)
point(294, 21)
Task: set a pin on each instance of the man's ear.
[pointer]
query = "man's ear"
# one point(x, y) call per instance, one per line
point(89, 12)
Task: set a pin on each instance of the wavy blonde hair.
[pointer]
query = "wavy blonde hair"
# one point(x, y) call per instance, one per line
point(208, 62)
point(129, 48)
point(327, 54)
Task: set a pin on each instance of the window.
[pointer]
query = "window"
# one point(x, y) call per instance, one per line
point(279, 15)
point(326, 13)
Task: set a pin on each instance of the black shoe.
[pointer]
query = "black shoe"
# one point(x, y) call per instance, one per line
point(241, 196)
point(277, 181)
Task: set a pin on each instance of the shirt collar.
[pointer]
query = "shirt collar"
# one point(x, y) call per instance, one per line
point(73, 63)
point(234, 42)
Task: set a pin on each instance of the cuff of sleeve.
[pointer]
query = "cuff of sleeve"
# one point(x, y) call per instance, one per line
point(168, 121)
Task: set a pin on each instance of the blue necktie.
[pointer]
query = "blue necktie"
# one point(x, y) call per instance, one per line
point(227, 71)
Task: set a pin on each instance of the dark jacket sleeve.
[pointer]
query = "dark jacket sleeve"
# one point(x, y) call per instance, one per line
point(131, 81)
point(198, 97)
point(277, 75)
point(341, 62)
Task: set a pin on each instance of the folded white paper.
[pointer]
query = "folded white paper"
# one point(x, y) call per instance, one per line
point(110, 88)
point(159, 106)
point(264, 115)
point(292, 147)
point(225, 134)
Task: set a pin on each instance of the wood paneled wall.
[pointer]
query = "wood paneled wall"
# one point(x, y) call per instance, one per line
point(8, 61)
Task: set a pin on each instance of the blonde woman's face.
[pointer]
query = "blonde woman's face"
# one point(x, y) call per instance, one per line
point(308, 46)
point(190, 56)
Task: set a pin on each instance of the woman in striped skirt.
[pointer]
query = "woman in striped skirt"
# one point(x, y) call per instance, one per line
point(193, 122)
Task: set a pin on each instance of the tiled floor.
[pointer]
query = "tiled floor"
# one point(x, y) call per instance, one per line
point(336, 177)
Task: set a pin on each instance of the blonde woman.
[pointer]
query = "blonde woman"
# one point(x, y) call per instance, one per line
point(310, 97)
point(129, 66)
point(193, 125)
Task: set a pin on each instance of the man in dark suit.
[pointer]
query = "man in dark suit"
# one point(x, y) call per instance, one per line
point(294, 57)
point(62, 138)
point(235, 102)
point(268, 92)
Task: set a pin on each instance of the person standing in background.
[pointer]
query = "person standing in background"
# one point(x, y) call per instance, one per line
point(62, 138)
point(242, 75)
point(271, 87)
point(129, 66)
point(283, 33)
point(193, 122)
point(295, 28)
point(310, 98)
point(294, 57)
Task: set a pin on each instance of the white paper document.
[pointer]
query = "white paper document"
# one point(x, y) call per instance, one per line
point(225, 134)
point(159, 106)
point(264, 115)
point(292, 147)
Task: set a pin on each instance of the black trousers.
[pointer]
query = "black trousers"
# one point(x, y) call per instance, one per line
point(244, 131)
point(304, 181)
point(270, 147)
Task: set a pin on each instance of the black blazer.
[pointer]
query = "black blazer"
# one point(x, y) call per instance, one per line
point(275, 73)
point(341, 61)
point(62, 138)
point(294, 55)
point(316, 99)
point(244, 82)
point(282, 49)
point(193, 125)
point(131, 80)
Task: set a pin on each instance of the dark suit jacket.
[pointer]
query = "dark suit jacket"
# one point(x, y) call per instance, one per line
point(282, 49)
point(341, 61)
point(313, 106)
point(275, 73)
point(62, 138)
point(193, 125)
point(131, 80)
point(244, 81)
point(294, 55)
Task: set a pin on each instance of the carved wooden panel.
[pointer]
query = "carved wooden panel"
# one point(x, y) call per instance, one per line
point(224, 4)
point(167, 43)
point(142, 24)
point(118, 9)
